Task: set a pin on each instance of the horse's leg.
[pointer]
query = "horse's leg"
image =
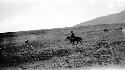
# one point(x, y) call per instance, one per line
point(70, 42)
point(77, 42)
point(73, 42)
point(80, 41)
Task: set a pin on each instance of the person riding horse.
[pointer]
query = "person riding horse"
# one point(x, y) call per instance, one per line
point(74, 38)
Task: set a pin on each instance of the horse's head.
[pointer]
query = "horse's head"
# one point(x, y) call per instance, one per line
point(68, 38)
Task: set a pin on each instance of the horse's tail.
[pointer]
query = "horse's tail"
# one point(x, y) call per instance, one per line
point(80, 38)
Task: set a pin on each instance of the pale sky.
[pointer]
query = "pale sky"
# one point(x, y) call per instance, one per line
point(23, 15)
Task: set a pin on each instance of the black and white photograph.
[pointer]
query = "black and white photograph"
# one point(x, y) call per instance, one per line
point(62, 34)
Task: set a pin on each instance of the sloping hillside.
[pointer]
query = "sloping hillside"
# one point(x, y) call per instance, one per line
point(36, 50)
point(117, 18)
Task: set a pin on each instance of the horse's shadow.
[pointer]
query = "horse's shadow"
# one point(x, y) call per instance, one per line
point(74, 40)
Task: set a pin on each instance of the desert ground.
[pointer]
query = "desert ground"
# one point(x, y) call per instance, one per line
point(49, 49)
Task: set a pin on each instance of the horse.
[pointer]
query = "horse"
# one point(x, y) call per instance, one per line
point(74, 40)
point(70, 39)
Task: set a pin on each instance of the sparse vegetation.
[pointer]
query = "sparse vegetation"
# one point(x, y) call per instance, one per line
point(96, 49)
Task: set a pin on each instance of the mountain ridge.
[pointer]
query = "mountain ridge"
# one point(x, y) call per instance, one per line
point(117, 18)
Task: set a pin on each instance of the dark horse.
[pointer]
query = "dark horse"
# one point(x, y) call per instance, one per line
point(74, 40)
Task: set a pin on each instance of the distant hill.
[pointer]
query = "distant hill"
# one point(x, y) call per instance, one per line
point(117, 18)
